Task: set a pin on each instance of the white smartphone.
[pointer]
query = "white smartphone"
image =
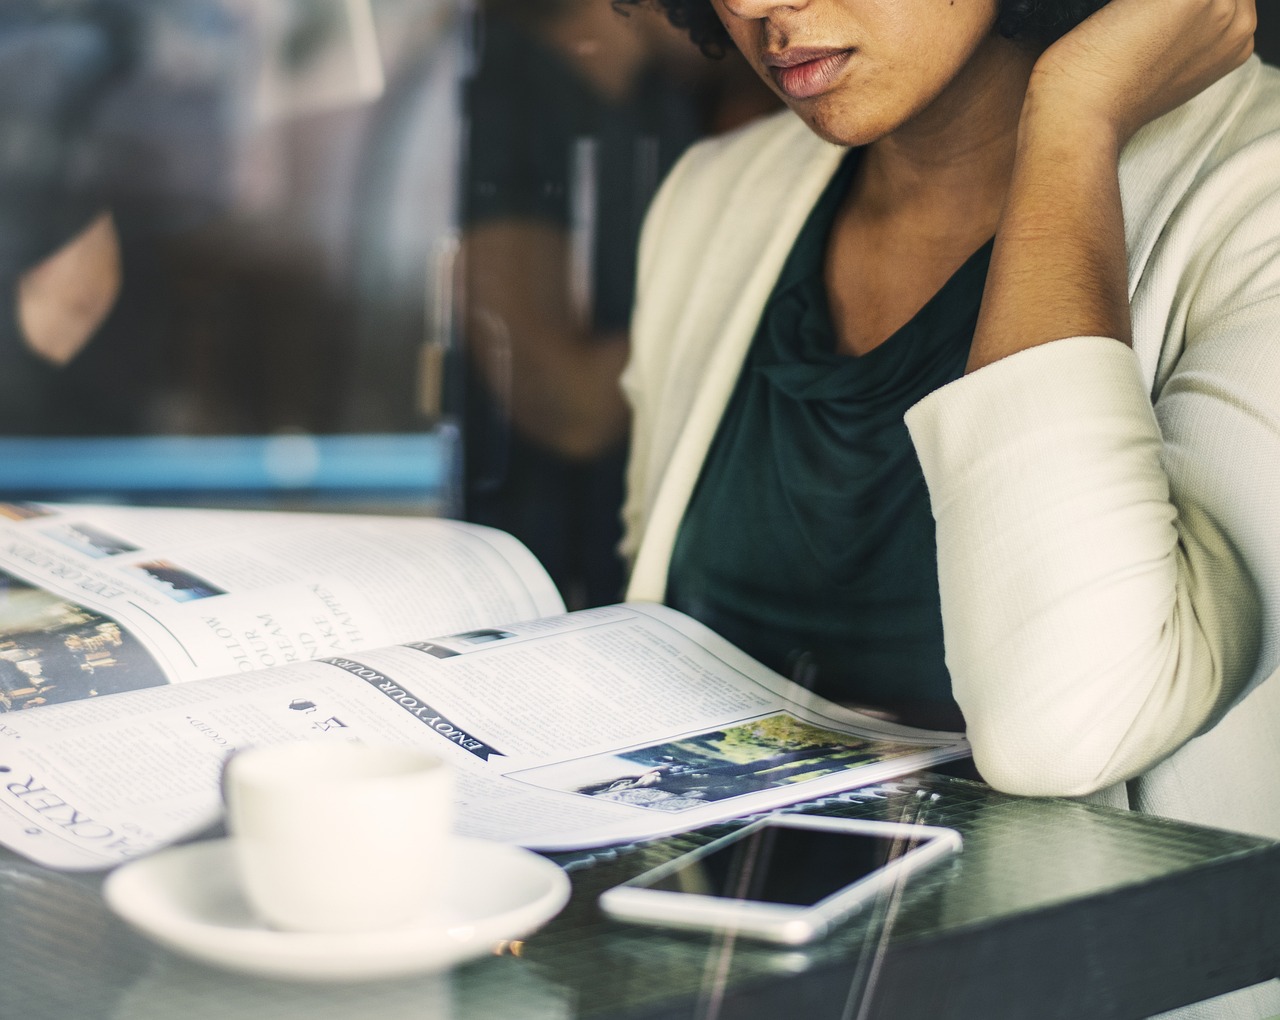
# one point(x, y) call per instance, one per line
point(785, 878)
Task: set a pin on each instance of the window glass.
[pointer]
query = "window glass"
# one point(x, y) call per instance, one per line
point(369, 253)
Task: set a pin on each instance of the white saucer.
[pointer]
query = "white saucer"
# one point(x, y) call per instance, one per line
point(188, 898)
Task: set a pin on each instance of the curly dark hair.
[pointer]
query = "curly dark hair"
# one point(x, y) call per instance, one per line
point(1040, 21)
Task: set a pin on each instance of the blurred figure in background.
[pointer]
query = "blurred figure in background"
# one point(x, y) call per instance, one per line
point(60, 249)
point(97, 171)
point(575, 114)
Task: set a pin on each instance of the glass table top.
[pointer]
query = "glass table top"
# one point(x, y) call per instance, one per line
point(1028, 867)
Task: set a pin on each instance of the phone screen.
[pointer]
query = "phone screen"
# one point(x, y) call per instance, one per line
point(784, 864)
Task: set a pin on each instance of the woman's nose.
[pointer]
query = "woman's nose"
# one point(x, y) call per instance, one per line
point(753, 10)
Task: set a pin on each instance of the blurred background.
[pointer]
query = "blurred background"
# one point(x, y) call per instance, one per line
point(368, 255)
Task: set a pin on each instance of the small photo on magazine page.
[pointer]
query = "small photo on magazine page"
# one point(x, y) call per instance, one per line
point(179, 584)
point(23, 511)
point(89, 540)
point(52, 650)
point(754, 755)
point(457, 644)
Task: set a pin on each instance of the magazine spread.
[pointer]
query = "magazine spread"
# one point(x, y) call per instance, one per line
point(564, 730)
point(101, 599)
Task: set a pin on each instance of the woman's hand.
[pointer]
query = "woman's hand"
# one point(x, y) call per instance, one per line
point(1059, 267)
point(1134, 60)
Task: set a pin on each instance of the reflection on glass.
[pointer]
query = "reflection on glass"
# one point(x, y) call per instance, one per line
point(575, 114)
point(196, 200)
point(242, 219)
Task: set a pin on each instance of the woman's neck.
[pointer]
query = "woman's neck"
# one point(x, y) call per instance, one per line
point(949, 166)
point(924, 199)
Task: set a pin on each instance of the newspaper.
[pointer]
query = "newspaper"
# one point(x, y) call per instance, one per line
point(564, 731)
point(100, 599)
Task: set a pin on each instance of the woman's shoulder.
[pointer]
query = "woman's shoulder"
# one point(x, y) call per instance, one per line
point(1203, 166)
point(1262, 93)
point(1247, 104)
point(1232, 114)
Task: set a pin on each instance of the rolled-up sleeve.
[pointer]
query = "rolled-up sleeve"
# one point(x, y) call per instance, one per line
point(1095, 617)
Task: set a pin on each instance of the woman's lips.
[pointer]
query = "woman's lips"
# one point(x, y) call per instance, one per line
point(802, 74)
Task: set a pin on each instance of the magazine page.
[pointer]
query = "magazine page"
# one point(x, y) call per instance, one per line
point(101, 599)
point(596, 727)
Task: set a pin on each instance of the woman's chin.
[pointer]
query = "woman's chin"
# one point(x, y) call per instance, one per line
point(841, 130)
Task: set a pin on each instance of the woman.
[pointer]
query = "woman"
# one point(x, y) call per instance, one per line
point(1019, 232)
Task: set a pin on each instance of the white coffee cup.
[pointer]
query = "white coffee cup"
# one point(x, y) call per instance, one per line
point(331, 836)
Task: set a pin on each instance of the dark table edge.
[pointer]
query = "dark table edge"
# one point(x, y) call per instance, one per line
point(1105, 969)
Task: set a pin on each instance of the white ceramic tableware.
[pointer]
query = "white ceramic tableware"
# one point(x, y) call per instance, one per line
point(189, 899)
point(331, 836)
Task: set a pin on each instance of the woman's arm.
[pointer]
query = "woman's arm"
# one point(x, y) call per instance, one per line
point(1096, 617)
point(1058, 268)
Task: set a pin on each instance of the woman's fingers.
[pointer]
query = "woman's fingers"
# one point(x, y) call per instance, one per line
point(1135, 60)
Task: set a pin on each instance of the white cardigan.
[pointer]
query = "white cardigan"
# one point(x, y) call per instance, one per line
point(1110, 578)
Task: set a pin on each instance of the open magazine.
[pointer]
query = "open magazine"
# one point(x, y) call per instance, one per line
point(141, 646)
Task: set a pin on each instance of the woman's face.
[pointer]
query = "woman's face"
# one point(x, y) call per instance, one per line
point(857, 70)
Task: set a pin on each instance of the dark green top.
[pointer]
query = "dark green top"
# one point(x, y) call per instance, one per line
point(809, 540)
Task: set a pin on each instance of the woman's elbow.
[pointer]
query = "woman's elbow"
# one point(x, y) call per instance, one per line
point(1050, 770)
point(1102, 727)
